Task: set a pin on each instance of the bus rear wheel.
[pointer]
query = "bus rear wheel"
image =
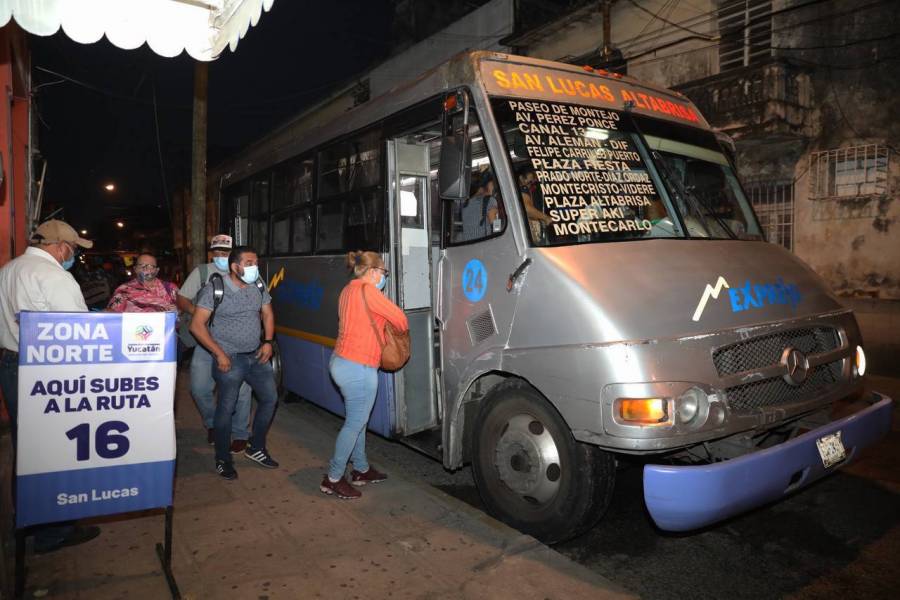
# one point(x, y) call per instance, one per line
point(531, 473)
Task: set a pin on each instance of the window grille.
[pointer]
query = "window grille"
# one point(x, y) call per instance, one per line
point(773, 202)
point(849, 172)
point(745, 29)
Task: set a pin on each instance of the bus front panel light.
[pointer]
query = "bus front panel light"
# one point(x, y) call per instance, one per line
point(860, 362)
point(690, 404)
point(643, 411)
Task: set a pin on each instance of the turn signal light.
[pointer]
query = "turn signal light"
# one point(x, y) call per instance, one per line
point(646, 411)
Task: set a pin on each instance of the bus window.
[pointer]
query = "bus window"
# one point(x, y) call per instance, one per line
point(260, 192)
point(350, 211)
point(292, 183)
point(482, 214)
point(281, 234)
point(301, 237)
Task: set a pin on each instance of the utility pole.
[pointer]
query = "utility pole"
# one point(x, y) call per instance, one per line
point(198, 172)
point(606, 8)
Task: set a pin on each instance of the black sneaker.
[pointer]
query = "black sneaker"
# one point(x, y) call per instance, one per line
point(261, 456)
point(225, 469)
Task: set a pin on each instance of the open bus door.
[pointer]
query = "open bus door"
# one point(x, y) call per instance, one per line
point(415, 390)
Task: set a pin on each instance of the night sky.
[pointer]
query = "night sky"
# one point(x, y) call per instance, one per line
point(102, 129)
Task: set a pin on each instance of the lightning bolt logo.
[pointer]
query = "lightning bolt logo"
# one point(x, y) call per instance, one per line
point(279, 277)
point(710, 292)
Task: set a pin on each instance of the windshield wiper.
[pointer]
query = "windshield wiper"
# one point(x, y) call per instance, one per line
point(675, 185)
point(700, 206)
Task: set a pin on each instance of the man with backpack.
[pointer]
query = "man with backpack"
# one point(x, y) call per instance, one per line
point(202, 383)
point(230, 314)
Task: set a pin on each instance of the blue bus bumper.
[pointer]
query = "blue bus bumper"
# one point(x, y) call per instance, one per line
point(685, 498)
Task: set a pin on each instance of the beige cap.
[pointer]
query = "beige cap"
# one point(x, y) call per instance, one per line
point(53, 231)
point(221, 241)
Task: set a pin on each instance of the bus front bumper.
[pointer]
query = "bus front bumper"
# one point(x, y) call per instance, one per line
point(684, 498)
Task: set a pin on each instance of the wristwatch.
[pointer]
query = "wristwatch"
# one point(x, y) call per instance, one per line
point(266, 342)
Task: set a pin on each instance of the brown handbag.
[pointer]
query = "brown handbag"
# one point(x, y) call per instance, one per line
point(395, 348)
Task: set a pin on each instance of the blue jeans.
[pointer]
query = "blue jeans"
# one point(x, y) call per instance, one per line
point(244, 368)
point(359, 385)
point(202, 385)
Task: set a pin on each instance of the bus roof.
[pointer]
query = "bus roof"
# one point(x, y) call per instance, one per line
point(500, 74)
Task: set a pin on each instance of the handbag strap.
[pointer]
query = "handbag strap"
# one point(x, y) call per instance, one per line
point(371, 319)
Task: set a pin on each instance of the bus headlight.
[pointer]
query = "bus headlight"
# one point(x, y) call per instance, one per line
point(690, 404)
point(643, 411)
point(860, 362)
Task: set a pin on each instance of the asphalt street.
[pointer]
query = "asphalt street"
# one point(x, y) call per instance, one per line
point(839, 538)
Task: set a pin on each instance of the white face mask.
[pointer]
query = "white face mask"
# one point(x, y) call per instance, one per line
point(251, 274)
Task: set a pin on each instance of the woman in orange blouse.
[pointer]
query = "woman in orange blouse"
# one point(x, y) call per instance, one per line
point(354, 368)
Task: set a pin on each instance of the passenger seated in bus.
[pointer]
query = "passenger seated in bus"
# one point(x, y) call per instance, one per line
point(537, 220)
point(480, 211)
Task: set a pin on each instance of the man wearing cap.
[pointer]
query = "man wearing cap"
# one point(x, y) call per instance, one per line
point(39, 280)
point(202, 383)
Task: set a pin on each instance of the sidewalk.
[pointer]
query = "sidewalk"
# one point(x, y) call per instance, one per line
point(272, 534)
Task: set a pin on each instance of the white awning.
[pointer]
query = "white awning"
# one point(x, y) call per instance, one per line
point(202, 27)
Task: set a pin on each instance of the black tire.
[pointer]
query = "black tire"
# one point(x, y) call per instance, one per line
point(529, 470)
point(277, 370)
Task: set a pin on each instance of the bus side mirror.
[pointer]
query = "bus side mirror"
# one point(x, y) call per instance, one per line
point(455, 169)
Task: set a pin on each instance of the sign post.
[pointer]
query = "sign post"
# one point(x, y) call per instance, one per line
point(96, 429)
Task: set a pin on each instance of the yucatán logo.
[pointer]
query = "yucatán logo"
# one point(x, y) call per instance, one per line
point(751, 295)
point(142, 335)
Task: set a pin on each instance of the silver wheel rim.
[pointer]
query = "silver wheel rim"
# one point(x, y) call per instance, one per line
point(527, 459)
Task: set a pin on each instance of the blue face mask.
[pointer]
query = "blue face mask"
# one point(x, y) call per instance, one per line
point(381, 282)
point(251, 274)
point(221, 262)
point(67, 264)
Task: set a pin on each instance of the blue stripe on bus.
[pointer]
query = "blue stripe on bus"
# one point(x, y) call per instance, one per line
point(305, 367)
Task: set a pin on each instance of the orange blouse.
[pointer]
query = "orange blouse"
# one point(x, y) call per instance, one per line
point(356, 340)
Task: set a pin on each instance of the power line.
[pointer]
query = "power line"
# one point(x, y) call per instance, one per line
point(672, 23)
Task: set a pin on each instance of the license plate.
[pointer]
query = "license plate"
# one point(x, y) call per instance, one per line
point(831, 449)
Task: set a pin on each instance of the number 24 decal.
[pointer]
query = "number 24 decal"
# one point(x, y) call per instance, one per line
point(108, 440)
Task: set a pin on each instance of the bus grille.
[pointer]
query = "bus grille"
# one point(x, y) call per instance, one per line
point(776, 391)
point(763, 351)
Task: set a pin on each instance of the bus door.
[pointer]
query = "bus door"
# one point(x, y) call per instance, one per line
point(415, 398)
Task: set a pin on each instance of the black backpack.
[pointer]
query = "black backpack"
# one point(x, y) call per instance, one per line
point(219, 293)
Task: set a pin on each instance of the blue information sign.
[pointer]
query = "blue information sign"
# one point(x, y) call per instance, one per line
point(96, 429)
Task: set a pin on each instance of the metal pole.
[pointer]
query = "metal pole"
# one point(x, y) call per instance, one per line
point(198, 176)
point(164, 552)
point(20, 564)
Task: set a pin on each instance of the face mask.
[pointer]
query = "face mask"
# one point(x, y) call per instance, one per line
point(381, 282)
point(67, 264)
point(145, 277)
point(221, 262)
point(251, 274)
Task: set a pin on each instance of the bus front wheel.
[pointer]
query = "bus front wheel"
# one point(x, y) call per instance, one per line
point(531, 473)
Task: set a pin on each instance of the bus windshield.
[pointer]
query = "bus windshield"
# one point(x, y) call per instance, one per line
point(587, 174)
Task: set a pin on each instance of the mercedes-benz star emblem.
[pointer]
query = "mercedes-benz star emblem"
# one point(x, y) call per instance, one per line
point(796, 365)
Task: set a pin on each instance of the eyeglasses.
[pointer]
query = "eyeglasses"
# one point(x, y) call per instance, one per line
point(383, 270)
point(147, 268)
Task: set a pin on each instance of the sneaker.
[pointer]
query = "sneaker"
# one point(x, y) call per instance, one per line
point(339, 488)
point(79, 535)
point(211, 436)
point(370, 476)
point(225, 469)
point(238, 446)
point(261, 456)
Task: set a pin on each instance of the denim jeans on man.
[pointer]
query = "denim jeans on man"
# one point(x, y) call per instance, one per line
point(359, 385)
point(202, 389)
point(244, 367)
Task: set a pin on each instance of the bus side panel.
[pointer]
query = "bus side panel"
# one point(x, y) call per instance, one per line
point(305, 292)
point(306, 374)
